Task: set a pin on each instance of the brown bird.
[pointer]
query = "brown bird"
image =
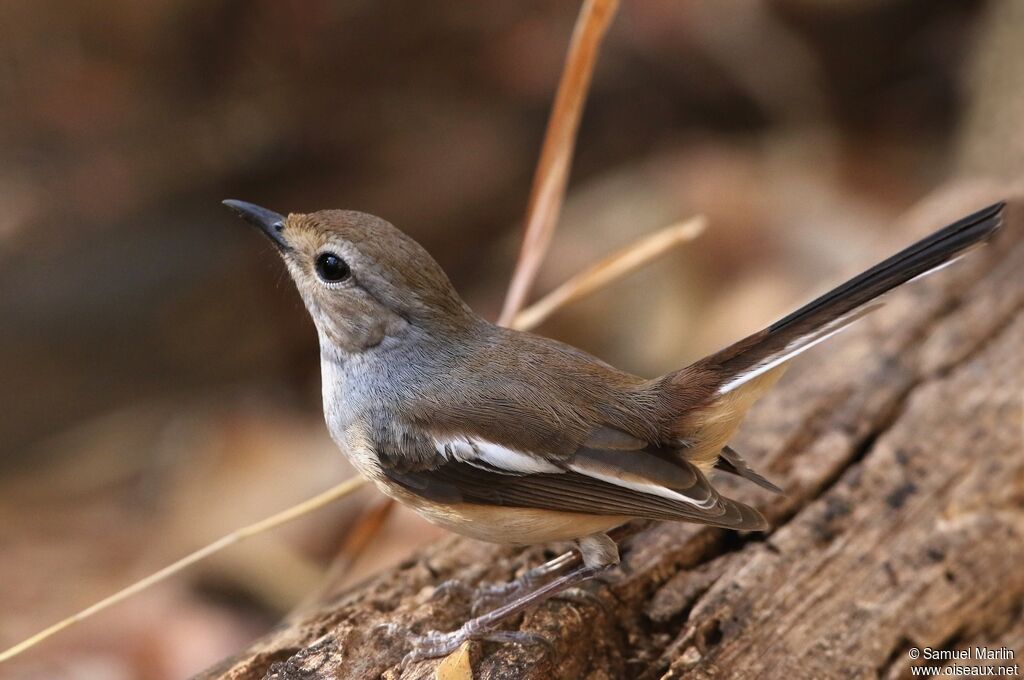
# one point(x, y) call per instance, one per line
point(508, 437)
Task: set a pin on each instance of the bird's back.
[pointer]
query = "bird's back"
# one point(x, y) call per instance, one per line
point(531, 392)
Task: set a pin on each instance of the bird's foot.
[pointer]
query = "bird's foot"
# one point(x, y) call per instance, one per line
point(434, 644)
point(485, 596)
point(453, 587)
point(583, 597)
point(483, 627)
point(489, 595)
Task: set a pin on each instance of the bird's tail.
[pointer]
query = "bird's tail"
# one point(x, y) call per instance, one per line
point(731, 380)
point(773, 346)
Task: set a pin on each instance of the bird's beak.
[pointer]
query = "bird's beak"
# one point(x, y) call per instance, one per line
point(267, 221)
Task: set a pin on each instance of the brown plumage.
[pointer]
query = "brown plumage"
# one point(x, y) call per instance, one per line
point(451, 409)
point(507, 436)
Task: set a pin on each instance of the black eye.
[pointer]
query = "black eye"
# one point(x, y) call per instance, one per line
point(332, 268)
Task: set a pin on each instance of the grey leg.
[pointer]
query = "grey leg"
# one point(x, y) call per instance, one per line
point(499, 593)
point(433, 645)
point(599, 554)
point(531, 578)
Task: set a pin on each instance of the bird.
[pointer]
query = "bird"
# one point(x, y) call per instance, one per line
point(509, 437)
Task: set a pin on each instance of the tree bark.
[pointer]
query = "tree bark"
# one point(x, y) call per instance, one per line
point(899, 444)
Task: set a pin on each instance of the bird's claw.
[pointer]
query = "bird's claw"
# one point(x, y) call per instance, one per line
point(585, 597)
point(434, 644)
point(522, 638)
point(484, 597)
point(490, 595)
point(452, 587)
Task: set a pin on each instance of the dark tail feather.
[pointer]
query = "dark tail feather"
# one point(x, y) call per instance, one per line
point(729, 460)
point(836, 309)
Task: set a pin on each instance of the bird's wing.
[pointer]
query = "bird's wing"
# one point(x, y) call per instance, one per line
point(612, 473)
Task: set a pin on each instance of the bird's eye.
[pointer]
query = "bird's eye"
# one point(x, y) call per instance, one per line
point(331, 268)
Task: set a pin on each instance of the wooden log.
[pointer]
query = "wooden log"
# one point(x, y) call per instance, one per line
point(900, 446)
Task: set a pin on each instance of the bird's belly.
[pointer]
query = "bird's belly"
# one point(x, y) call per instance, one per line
point(501, 524)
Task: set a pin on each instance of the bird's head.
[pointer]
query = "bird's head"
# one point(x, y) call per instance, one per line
point(364, 282)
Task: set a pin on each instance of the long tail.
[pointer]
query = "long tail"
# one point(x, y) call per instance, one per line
point(837, 309)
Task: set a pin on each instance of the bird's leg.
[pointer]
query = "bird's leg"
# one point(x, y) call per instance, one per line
point(531, 578)
point(599, 554)
point(435, 644)
point(490, 593)
point(501, 593)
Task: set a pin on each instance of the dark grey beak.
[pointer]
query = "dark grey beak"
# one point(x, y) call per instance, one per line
point(267, 221)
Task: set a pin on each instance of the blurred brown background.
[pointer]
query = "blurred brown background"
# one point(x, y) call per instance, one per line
point(159, 381)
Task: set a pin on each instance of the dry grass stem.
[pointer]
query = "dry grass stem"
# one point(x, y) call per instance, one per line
point(357, 539)
point(548, 191)
point(546, 198)
point(614, 266)
point(600, 274)
point(283, 517)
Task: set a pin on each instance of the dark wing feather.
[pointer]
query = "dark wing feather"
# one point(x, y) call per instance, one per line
point(729, 460)
point(647, 483)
